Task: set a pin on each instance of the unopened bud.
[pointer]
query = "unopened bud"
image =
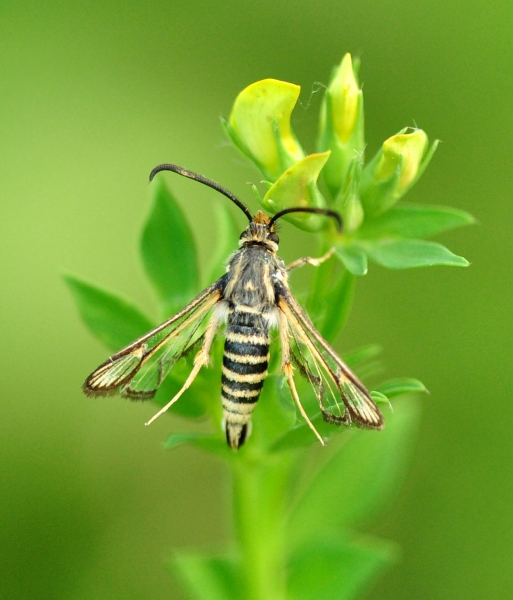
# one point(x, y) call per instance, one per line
point(394, 169)
point(341, 124)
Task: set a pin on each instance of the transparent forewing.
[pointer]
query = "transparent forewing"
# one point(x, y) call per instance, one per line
point(138, 370)
point(342, 396)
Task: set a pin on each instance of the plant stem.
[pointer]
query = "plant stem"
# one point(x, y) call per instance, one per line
point(260, 484)
point(323, 281)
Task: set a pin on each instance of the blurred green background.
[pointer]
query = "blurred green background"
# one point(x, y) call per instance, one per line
point(93, 95)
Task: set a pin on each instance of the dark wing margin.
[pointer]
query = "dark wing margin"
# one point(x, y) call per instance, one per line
point(137, 370)
point(329, 376)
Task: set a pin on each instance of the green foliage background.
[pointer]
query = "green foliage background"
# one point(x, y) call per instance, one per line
point(95, 95)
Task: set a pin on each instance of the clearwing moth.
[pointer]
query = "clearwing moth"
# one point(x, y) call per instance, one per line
point(252, 298)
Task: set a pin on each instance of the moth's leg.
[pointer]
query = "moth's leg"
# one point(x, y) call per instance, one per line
point(201, 359)
point(307, 260)
point(288, 371)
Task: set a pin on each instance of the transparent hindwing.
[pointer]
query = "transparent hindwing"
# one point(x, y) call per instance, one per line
point(137, 371)
point(342, 397)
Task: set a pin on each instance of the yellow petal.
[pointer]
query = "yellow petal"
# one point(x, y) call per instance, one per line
point(298, 187)
point(261, 119)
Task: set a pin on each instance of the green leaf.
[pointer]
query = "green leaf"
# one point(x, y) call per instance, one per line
point(338, 569)
point(209, 443)
point(354, 259)
point(301, 436)
point(348, 202)
point(115, 321)
point(208, 577)
point(168, 250)
point(227, 240)
point(414, 221)
point(379, 398)
point(338, 306)
point(403, 385)
point(378, 196)
point(405, 254)
point(363, 474)
point(356, 357)
point(370, 370)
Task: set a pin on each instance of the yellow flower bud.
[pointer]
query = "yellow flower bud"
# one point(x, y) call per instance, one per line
point(394, 169)
point(341, 125)
point(408, 148)
point(345, 97)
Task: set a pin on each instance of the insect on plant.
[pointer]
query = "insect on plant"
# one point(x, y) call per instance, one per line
point(253, 297)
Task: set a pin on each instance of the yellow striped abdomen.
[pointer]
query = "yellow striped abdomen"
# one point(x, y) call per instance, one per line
point(245, 360)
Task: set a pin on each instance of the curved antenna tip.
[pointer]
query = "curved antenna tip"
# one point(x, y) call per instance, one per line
point(204, 181)
point(316, 211)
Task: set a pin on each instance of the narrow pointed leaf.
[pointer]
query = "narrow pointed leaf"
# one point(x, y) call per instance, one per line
point(209, 443)
point(354, 259)
point(404, 385)
point(414, 221)
point(356, 357)
point(370, 369)
point(301, 436)
point(338, 569)
point(169, 251)
point(406, 254)
point(114, 320)
point(379, 398)
point(208, 577)
point(362, 475)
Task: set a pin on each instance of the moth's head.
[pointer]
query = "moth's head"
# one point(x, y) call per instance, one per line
point(261, 230)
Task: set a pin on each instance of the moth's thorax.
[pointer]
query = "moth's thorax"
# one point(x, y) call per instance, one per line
point(252, 271)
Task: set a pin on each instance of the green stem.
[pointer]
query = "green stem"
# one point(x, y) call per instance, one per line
point(260, 484)
point(323, 280)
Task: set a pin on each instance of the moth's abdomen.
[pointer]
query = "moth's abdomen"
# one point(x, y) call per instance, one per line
point(245, 360)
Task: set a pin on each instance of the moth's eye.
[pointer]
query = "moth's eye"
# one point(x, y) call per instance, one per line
point(273, 236)
point(243, 235)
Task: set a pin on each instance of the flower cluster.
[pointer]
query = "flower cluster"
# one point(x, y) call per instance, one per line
point(365, 194)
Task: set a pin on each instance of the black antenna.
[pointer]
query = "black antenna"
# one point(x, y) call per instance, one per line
point(315, 211)
point(204, 181)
